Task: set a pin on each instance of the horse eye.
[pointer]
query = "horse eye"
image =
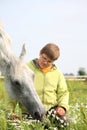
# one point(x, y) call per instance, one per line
point(17, 83)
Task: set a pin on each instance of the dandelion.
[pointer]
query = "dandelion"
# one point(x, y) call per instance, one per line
point(57, 117)
point(53, 115)
point(55, 128)
point(62, 121)
point(62, 126)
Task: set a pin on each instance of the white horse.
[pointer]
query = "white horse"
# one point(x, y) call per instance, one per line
point(18, 77)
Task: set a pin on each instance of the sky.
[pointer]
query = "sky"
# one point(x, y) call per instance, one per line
point(38, 22)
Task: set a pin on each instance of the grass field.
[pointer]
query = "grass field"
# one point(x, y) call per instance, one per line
point(77, 113)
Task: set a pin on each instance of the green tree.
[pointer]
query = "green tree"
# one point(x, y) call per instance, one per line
point(81, 71)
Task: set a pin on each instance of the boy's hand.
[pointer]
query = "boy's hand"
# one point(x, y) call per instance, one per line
point(60, 111)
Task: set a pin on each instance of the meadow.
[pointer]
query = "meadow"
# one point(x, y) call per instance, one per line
point(77, 115)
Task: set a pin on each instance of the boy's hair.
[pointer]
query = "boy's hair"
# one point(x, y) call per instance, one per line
point(51, 50)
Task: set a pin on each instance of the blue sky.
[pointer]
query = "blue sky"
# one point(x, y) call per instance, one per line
point(37, 22)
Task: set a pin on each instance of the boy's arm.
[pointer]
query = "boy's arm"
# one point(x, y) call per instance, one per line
point(62, 93)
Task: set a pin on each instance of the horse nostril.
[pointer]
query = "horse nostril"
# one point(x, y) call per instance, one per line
point(37, 116)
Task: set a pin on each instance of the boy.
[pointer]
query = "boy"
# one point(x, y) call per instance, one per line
point(49, 81)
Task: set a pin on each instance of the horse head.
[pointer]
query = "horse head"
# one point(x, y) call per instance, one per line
point(19, 79)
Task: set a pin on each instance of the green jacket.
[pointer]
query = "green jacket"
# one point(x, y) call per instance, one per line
point(51, 87)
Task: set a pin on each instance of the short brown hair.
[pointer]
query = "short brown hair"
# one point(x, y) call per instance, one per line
point(51, 50)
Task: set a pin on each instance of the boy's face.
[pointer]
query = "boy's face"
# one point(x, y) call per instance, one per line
point(44, 61)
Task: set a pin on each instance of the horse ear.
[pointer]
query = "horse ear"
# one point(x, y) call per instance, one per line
point(23, 52)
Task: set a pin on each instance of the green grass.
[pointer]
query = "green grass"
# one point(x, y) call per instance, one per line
point(78, 91)
point(77, 113)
